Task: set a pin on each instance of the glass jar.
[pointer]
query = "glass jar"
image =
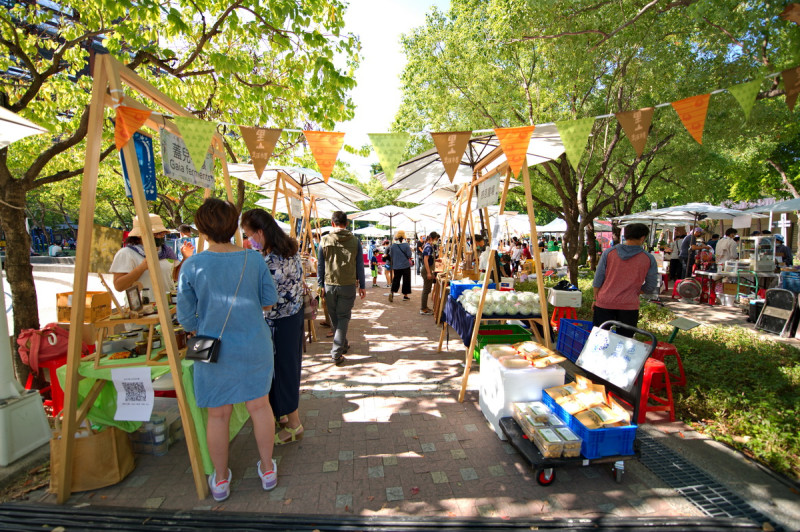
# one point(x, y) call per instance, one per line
point(180, 337)
point(141, 347)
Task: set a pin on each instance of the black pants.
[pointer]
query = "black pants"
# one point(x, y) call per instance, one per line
point(628, 317)
point(284, 395)
point(675, 269)
point(405, 275)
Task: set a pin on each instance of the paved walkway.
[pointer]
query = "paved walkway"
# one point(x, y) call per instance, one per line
point(385, 435)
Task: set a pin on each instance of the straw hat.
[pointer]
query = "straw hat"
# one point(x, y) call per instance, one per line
point(155, 221)
point(400, 234)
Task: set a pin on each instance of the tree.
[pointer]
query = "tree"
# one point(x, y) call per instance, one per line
point(239, 61)
point(510, 63)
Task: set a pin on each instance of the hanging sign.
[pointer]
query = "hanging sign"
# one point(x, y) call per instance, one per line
point(389, 147)
point(178, 165)
point(325, 146)
point(692, 112)
point(147, 166)
point(296, 206)
point(514, 142)
point(745, 94)
point(260, 143)
point(488, 192)
point(636, 125)
point(574, 134)
point(742, 222)
point(135, 395)
point(791, 84)
point(451, 146)
point(197, 135)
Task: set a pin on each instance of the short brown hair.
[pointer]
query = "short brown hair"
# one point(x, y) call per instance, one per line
point(217, 219)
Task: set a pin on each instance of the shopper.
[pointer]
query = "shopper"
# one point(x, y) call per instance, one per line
point(727, 248)
point(625, 271)
point(387, 263)
point(689, 249)
point(400, 257)
point(675, 263)
point(428, 271)
point(783, 253)
point(129, 265)
point(281, 255)
point(221, 293)
point(340, 267)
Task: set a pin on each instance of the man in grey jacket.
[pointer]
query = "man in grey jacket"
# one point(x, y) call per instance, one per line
point(340, 265)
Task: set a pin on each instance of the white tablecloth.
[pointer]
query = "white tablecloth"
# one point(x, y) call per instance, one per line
point(552, 259)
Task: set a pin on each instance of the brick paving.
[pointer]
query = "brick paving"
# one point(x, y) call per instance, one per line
point(385, 435)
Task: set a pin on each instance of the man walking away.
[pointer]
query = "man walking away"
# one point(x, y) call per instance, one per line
point(340, 265)
point(428, 271)
point(624, 271)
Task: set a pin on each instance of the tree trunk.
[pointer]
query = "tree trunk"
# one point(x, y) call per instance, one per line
point(571, 247)
point(591, 238)
point(19, 271)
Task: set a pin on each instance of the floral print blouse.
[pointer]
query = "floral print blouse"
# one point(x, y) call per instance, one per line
point(288, 277)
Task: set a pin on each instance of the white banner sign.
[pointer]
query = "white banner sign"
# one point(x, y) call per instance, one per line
point(135, 395)
point(742, 222)
point(178, 165)
point(488, 192)
point(296, 206)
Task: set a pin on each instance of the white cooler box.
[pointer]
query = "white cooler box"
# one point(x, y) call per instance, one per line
point(564, 298)
point(501, 386)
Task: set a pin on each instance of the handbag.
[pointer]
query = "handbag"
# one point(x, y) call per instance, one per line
point(309, 305)
point(206, 348)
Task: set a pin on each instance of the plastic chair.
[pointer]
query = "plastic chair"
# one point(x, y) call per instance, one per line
point(654, 368)
point(675, 294)
point(569, 313)
point(664, 350)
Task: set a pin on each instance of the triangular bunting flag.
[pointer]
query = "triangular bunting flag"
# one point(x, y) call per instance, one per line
point(692, 112)
point(197, 135)
point(636, 125)
point(390, 148)
point(260, 142)
point(791, 13)
point(574, 134)
point(128, 122)
point(745, 94)
point(451, 146)
point(325, 146)
point(514, 142)
point(791, 84)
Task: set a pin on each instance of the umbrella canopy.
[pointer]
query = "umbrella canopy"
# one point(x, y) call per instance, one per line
point(437, 195)
point(700, 211)
point(325, 207)
point(393, 216)
point(426, 170)
point(371, 231)
point(13, 128)
point(560, 226)
point(781, 206)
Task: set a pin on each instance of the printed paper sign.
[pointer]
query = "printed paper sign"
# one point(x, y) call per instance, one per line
point(296, 206)
point(496, 235)
point(488, 192)
point(147, 166)
point(178, 164)
point(742, 222)
point(135, 394)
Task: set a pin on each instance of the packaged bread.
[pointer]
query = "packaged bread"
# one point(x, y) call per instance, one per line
point(598, 416)
point(538, 410)
point(571, 404)
point(589, 398)
point(561, 392)
point(618, 409)
point(530, 349)
point(548, 360)
point(572, 442)
point(548, 442)
point(514, 362)
point(500, 350)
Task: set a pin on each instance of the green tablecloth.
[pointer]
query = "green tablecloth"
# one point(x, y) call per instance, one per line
point(102, 412)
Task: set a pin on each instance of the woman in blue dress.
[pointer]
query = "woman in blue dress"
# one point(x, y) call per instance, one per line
point(209, 303)
point(285, 318)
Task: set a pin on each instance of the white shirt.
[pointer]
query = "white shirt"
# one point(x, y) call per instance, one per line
point(54, 250)
point(127, 259)
point(726, 250)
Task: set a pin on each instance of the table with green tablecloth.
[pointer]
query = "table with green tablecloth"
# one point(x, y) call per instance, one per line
point(102, 412)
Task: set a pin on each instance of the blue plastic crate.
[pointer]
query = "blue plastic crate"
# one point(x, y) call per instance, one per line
point(456, 287)
point(597, 443)
point(572, 336)
point(791, 281)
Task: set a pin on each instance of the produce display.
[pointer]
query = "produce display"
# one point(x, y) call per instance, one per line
point(500, 303)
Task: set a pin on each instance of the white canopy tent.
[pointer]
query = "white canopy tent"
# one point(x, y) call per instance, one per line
point(13, 127)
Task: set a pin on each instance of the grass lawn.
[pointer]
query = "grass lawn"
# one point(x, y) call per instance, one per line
point(742, 389)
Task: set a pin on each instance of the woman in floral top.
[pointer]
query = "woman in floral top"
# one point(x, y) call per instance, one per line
point(285, 318)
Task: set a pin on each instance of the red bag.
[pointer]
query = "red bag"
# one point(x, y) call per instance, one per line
point(49, 343)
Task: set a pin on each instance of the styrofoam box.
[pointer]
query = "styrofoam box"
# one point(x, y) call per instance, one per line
point(23, 425)
point(564, 298)
point(501, 386)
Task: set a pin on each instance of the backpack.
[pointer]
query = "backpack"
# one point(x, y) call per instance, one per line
point(42, 345)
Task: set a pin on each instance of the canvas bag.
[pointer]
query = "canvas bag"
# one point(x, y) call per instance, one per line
point(99, 459)
point(45, 344)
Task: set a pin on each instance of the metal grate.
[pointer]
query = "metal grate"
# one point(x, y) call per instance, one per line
point(711, 497)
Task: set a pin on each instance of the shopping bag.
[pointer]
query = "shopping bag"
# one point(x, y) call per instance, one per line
point(99, 459)
point(309, 305)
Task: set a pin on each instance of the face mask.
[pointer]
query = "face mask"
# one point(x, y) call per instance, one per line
point(254, 243)
point(159, 242)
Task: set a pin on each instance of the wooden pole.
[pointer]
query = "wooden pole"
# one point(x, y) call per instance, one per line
point(537, 260)
point(506, 184)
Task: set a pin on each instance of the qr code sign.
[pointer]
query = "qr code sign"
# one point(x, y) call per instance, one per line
point(134, 391)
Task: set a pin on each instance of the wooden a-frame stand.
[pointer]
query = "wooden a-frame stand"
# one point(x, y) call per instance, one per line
point(107, 91)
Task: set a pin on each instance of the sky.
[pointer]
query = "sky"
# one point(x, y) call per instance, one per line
point(379, 24)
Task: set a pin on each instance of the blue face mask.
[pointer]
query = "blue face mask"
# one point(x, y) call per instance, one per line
point(254, 243)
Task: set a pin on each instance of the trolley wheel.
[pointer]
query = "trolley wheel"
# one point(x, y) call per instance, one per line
point(545, 477)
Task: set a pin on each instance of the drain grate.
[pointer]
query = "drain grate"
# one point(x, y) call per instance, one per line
point(711, 497)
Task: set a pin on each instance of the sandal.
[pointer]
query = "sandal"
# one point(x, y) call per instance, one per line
point(329, 335)
point(281, 422)
point(295, 434)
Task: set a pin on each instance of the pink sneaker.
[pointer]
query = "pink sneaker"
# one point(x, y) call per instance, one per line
point(269, 479)
point(220, 490)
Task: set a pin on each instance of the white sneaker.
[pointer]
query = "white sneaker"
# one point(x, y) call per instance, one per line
point(269, 480)
point(220, 490)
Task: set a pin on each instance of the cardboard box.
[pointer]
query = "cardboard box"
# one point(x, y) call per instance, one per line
point(98, 306)
point(729, 289)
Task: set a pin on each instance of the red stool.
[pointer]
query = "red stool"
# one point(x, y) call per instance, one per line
point(655, 368)
point(569, 313)
point(56, 401)
point(675, 294)
point(664, 350)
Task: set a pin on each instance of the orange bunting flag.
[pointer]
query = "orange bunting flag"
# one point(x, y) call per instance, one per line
point(325, 146)
point(636, 125)
point(451, 146)
point(791, 84)
point(692, 112)
point(514, 141)
point(260, 143)
point(128, 122)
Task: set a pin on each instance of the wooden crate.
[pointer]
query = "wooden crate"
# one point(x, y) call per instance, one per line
point(98, 306)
